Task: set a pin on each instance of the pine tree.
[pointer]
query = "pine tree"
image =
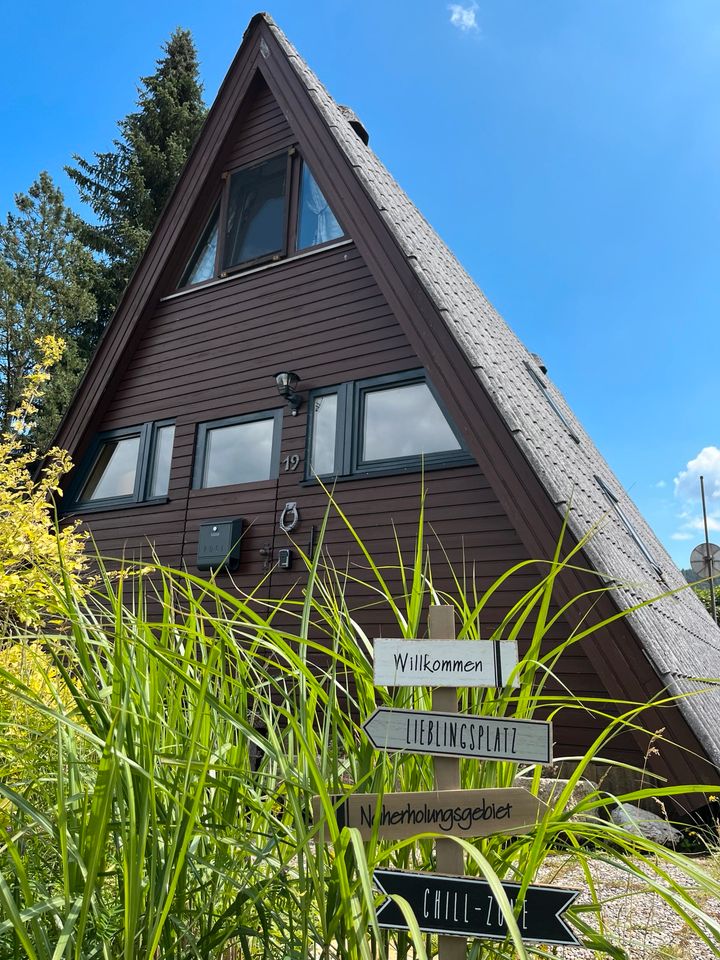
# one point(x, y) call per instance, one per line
point(128, 186)
point(46, 279)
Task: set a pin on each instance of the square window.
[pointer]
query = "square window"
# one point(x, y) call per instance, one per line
point(238, 450)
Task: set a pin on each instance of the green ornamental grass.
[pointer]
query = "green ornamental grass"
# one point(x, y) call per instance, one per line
point(185, 730)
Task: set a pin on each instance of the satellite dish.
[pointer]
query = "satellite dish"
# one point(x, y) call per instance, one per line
point(705, 560)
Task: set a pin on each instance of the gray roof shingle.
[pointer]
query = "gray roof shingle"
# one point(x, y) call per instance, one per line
point(676, 632)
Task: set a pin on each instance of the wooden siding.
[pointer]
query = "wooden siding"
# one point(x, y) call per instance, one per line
point(259, 130)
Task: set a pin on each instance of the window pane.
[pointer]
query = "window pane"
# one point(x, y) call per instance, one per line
point(316, 221)
point(239, 453)
point(256, 212)
point(160, 467)
point(404, 422)
point(202, 263)
point(114, 470)
point(324, 425)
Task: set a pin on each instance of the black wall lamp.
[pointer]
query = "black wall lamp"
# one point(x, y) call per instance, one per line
point(286, 382)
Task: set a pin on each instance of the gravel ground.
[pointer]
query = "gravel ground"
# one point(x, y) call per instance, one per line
point(638, 920)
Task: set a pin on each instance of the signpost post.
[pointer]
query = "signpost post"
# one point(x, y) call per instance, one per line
point(448, 854)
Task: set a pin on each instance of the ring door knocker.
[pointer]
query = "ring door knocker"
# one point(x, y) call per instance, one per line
point(289, 518)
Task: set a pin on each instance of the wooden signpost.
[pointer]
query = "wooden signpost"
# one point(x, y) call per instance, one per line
point(458, 813)
point(464, 906)
point(462, 663)
point(446, 903)
point(456, 735)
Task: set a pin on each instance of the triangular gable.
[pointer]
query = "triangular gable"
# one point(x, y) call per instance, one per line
point(483, 372)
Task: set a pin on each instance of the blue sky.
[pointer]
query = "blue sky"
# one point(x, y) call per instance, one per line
point(568, 152)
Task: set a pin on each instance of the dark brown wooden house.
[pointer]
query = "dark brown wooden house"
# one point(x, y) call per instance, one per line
point(287, 247)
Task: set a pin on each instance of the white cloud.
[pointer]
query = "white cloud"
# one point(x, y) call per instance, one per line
point(705, 464)
point(687, 491)
point(661, 484)
point(463, 17)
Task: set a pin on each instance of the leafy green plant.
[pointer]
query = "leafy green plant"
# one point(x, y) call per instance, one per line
point(195, 726)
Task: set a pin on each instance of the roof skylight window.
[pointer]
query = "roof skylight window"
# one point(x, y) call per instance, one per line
point(552, 401)
point(627, 524)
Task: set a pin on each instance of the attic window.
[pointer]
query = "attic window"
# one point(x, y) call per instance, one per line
point(269, 211)
point(557, 409)
point(625, 520)
point(255, 213)
point(316, 221)
point(202, 262)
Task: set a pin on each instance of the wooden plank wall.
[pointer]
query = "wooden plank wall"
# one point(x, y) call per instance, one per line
point(212, 353)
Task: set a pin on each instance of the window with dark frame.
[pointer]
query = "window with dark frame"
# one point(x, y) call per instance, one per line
point(268, 211)
point(234, 450)
point(380, 425)
point(125, 466)
point(626, 522)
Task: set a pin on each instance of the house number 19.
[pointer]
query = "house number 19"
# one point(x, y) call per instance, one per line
point(291, 463)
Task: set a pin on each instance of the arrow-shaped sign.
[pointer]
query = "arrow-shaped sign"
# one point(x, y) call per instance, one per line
point(456, 813)
point(466, 907)
point(455, 735)
point(450, 663)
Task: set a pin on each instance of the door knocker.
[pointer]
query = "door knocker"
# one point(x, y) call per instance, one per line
point(289, 518)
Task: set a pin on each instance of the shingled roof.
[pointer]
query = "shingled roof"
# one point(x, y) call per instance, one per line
point(676, 632)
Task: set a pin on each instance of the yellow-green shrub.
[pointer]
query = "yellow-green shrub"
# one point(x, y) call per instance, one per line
point(30, 545)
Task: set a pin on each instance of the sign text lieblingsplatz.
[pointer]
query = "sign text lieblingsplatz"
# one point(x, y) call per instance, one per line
point(457, 735)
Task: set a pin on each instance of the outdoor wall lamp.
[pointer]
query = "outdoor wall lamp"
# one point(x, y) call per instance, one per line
point(286, 382)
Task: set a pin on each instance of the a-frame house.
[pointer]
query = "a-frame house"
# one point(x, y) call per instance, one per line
point(287, 246)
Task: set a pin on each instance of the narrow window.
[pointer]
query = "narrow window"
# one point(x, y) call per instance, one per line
point(255, 223)
point(202, 263)
point(323, 415)
point(238, 450)
point(114, 472)
point(159, 478)
point(403, 421)
point(316, 222)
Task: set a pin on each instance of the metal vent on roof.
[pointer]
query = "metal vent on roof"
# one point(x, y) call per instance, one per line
point(355, 122)
point(539, 361)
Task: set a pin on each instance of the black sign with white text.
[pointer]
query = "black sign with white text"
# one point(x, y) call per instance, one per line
point(466, 907)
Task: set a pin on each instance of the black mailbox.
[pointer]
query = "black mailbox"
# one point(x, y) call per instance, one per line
point(219, 544)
